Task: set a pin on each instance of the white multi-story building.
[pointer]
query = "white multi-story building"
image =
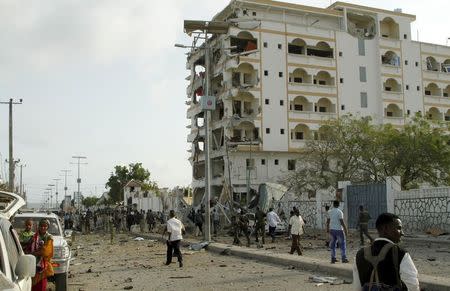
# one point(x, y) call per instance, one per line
point(282, 69)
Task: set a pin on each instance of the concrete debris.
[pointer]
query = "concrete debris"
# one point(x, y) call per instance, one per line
point(322, 279)
point(434, 231)
point(198, 246)
point(225, 252)
point(139, 238)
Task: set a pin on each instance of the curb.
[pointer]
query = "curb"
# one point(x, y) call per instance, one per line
point(427, 282)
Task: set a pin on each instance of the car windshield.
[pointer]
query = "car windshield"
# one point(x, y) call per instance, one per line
point(53, 228)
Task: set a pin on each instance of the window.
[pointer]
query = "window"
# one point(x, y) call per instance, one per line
point(322, 82)
point(340, 54)
point(291, 165)
point(145, 194)
point(406, 62)
point(281, 102)
point(280, 74)
point(417, 64)
point(299, 135)
point(363, 99)
point(279, 46)
point(254, 13)
point(263, 161)
point(266, 73)
point(405, 36)
point(427, 92)
point(408, 112)
point(276, 162)
point(418, 88)
point(341, 80)
point(298, 107)
point(322, 109)
point(268, 130)
point(266, 101)
point(342, 107)
point(298, 80)
point(282, 131)
point(361, 47)
point(362, 74)
point(407, 87)
point(265, 44)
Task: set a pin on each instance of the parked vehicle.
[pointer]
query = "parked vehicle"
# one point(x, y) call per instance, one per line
point(61, 251)
point(16, 268)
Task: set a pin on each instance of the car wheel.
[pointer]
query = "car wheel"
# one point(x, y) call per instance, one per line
point(61, 282)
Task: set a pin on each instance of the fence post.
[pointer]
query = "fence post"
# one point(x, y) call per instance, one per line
point(393, 184)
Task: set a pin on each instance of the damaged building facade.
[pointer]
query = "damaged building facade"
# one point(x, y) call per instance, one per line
point(282, 69)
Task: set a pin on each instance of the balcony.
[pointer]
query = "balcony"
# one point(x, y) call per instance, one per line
point(437, 100)
point(435, 75)
point(396, 121)
point(390, 69)
point(389, 42)
point(298, 143)
point(312, 88)
point(311, 60)
point(310, 115)
point(392, 95)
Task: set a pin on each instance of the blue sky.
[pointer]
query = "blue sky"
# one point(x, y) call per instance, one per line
point(102, 79)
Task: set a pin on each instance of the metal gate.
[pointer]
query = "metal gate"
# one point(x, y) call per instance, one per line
point(371, 196)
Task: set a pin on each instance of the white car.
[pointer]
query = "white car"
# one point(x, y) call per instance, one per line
point(16, 268)
point(61, 251)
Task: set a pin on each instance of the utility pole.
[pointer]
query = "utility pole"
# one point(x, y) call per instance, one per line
point(65, 182)
point(12, 164)
point(78, 179)
point(56, 191)
point(21, 183)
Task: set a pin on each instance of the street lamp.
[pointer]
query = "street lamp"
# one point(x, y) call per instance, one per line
point(51, 193)
point(56, 191)
point(207, 101)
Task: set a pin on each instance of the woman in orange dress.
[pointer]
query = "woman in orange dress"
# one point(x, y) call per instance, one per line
point(42, 249)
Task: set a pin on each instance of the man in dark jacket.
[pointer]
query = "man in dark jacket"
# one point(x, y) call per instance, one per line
point(389, 227)
point(363, 222)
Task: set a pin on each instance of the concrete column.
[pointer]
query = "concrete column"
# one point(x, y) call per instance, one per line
point(393, 185)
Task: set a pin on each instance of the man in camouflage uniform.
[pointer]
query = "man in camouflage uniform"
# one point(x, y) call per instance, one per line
point(240, 225)
point(260, 224)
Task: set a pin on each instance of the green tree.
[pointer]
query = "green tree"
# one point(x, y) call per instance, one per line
point(89, 201)
point(356, 150)
point(123, 174)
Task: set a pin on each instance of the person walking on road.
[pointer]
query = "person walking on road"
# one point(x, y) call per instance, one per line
point(338, 230)
point(199, 222)
point(272, 219)
point(260, 225)
point(297, 228)
point(363, 223)
point(216, 221)
point(174, 228)
point(394, 268)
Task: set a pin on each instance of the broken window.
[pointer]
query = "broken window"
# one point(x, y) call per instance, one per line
point(244, 43)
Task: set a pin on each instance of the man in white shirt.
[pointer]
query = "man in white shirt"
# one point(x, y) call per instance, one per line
point(338, 230)
point(174, 229)
point(272, 220)
point(404, 275)
point(297, 228)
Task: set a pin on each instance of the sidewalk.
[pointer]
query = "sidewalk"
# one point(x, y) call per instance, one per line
point(304, 262)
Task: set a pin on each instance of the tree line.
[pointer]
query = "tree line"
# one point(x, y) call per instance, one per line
point(357, 150)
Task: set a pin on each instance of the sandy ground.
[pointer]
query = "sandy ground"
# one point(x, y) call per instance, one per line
point(138, 265)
